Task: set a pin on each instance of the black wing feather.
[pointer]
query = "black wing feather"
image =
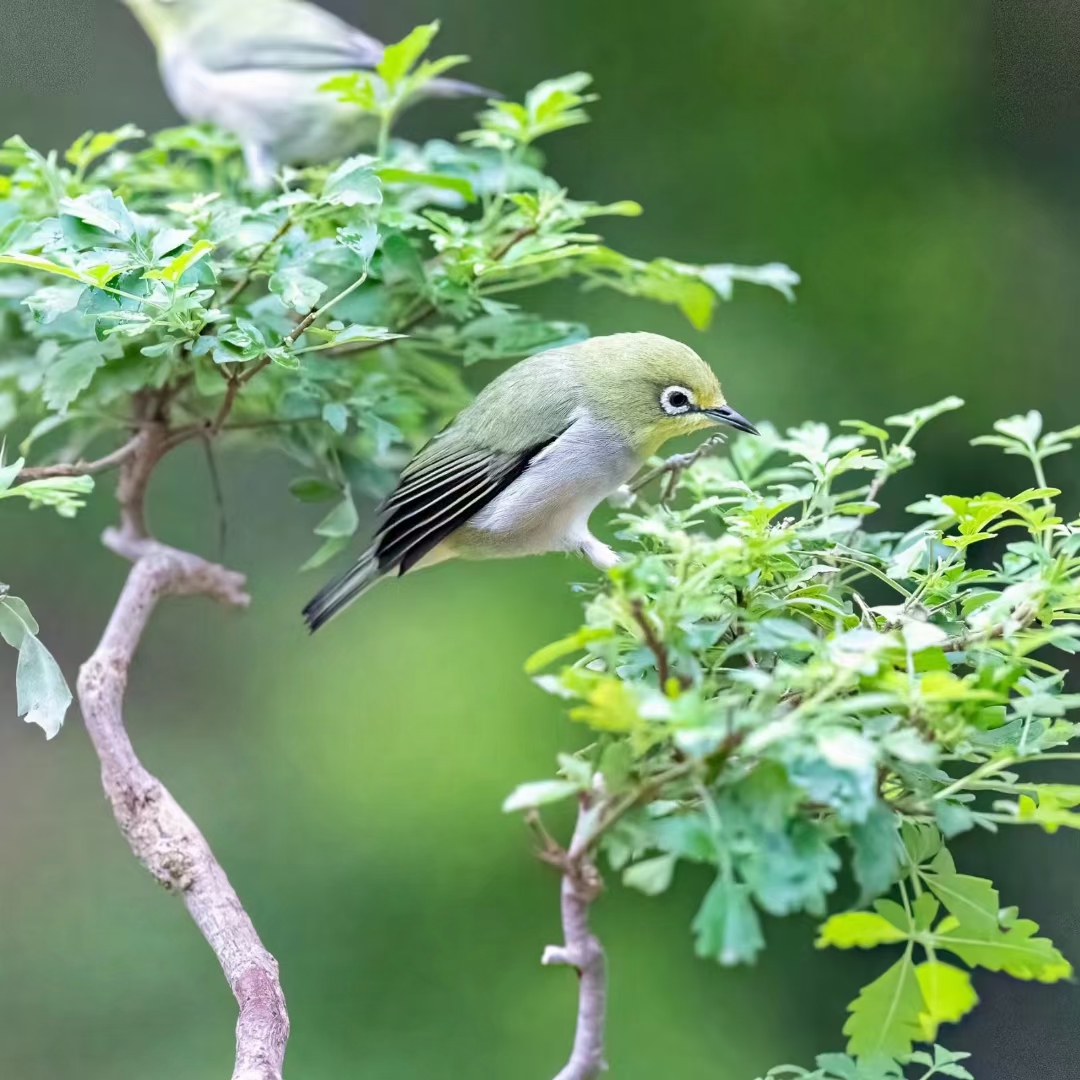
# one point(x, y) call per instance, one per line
point(419, 516)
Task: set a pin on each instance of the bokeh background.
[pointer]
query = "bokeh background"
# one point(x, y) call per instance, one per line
point(917, 163)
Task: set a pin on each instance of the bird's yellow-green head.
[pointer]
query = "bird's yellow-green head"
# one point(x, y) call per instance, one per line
point(161, 19)
point(652, 389)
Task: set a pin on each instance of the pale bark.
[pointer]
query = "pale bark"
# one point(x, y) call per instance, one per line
point(159, 832)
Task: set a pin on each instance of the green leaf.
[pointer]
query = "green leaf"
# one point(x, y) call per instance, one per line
point(886, 1017)
point(333, 547)
point(857, 930)
point(974, 901)
point(175, 268)
point(573, 643)
point(71, 373)
point(399, 59)
point(101, 210)
point(297, 290)
point(362, 241)
point(948, 996)
point(337, 416)
point(726, 927)
point(919, 418)
point(43, 695)
point(538, 793)
point(1051, 811)
point(1016, 951)
point(876, 856)
point(314, 489)
point(722, 277)
point(342, 522)
point(651, 876)
point(353, 183)
point(428, 179)
point(37, 262)
point(92, 145)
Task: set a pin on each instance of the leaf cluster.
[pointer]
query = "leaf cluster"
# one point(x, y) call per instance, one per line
point(774, 689)
point(143, 279)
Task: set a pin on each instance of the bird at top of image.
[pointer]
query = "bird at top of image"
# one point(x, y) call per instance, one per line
point(521, 468)
point(255, 68)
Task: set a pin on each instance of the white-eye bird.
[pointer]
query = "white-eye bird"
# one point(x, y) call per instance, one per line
point(522, 467)
point(254, 67)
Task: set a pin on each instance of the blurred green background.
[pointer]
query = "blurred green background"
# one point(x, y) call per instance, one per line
point(916, 162)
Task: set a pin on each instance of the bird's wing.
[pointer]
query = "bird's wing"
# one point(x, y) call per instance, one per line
point(290, 36)
point(444, 486)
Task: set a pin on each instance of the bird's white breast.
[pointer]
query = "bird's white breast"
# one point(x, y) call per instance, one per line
point(547, 508)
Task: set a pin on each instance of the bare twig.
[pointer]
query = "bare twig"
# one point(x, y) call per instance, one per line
point(674, 467)
point(512, 241)
point(238, 289)
point(159, 832)
point(82, 468)
point(581, 885)
point(655, 644)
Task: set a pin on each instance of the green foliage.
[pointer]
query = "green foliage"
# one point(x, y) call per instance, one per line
point(399, 77)
point(329, 321)
point(771, 684)
point(43, 695)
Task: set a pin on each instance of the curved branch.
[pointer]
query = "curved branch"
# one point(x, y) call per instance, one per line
point(159, 832)
point(581, 885)
point(83, 468)
point(161, 835)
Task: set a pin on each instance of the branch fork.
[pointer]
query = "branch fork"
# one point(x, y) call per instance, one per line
point(581, 950)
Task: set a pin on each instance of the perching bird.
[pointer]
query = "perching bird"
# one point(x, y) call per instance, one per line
point(254, 67)
point(522, 467)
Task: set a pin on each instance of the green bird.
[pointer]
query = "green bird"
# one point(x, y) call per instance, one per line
point(254, 67)
point(520, 470)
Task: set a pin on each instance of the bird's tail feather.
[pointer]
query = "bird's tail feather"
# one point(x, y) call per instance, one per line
point(455, 88)
point(339, 594)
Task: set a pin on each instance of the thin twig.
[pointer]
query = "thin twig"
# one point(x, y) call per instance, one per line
point(581, 885)
point(82, 468)
point(159, 832)
point(653, 641)
point(522, 234)
point(673, 467)
point(238, 289)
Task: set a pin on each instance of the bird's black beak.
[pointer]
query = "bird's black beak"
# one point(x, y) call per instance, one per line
point(726, 415)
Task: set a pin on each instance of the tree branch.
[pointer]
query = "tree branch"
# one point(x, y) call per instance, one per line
point(581, 885)
point(159, 832)
point(673, 467)
point(82, 468)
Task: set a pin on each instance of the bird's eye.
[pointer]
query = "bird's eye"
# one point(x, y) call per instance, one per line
point(676, 400)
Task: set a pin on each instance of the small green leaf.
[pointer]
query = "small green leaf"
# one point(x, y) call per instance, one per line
point(298, 291)
point(974, 901)
point(886, 1017)
point(353, 183)
point(947, 993)
point(337, 416)
point(726, 927)
point(877, 851)
point(573, 643)
point(399, 59)
point(428, 179)
point(175, 268)
point(651, 876)
point(313, 489)
point(538, 793)
point(857, 930)
point(341, 522)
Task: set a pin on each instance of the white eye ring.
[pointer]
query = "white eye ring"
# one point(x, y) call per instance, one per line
point(677, 400)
